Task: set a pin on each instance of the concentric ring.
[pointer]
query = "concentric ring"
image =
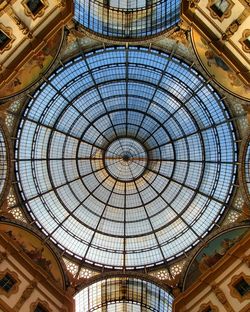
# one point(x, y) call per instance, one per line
point(176, 157)
point(125, 159)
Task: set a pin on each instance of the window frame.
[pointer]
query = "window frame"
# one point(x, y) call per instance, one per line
point(42, 303)
point(39, 13)
point(234, 281)
point(225, 14)
point(7, 31)
point(209, 305)
point(14, 288)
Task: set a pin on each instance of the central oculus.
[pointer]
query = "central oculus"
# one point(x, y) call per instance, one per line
point(125, 159)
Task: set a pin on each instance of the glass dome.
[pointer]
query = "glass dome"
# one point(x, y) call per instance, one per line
point(247, 167)
point(123, 294)
point(127, 19)
point(3, 162)
point(126, 157)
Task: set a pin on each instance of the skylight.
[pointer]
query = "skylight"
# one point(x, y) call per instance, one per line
point(126, 157)
point(127, 19)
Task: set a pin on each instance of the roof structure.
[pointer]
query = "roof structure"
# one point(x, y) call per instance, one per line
point(121, 19)
point(126, 157)
point(125, 134)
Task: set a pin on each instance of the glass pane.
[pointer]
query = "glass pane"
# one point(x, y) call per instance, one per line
point(127, 157)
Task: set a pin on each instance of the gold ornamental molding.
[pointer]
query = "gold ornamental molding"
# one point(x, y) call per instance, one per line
point(246, 3)
point(8, 33)
point(25, 295)
point(3, 256)
point(221, 297)
point(233, 291)
point(211, 6)
point(42, 303)
point(245, 40)
point(234, 26)
point(40, 10)
point(246, 259)
point(246, 308)
point(24, 29)
point(14, 289)
point(61, 3)
point(193, 3)
point(207, 306)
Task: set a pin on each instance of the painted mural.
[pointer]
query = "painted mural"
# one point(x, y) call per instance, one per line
point(216, 67)
point(212, 253)
point(32, 70)
point(32, 246)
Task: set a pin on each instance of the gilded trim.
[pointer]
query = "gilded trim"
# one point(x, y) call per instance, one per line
point(40, 13)
point(205, 306)
point(246, 308)
point(193, 3)
point(14, 288)
point(245, 36)
point(225, 14)
point(21, 25)
point(221, 297)
point(25, 295)
point(3, 256)
point(9, 33)
point(43, 303)
point(233, 291)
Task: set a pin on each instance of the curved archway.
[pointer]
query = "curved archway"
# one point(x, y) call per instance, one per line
point(123, 294)
point(127, 20)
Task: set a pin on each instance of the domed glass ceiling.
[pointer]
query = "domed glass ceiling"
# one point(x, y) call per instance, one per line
point(3, 162)
point(247, 168)
point(123, 294)
point(126, 157)
point(125, 19)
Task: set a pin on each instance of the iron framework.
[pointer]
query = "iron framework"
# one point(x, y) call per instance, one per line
point(126, 157)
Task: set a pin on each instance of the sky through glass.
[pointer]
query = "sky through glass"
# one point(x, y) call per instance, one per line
point(126, 157)
point(127, 19)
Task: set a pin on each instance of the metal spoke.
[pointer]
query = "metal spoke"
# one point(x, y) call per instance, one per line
point(115, 155)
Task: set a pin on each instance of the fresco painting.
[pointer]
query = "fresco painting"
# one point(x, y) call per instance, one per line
point(32, 70)
point(212, 253)
point(216, 67)
point(35, 249)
